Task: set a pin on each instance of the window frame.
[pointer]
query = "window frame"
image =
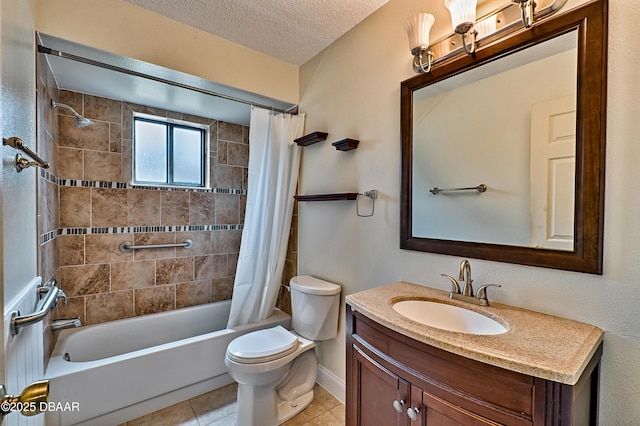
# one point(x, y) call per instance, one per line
point(170, 124)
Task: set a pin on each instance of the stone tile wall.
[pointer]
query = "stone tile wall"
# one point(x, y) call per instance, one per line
point(291, 263)
point(99, 209)
point(48, 202)
point(87, 207)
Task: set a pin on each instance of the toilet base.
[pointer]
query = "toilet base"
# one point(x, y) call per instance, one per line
point(288, 409)
point(256, 405)
point(269, 398)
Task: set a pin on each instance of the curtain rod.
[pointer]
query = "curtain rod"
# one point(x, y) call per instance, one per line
point(60, 54)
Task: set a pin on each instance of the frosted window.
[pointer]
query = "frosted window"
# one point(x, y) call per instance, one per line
point(150, 152)
point(187, 156)
point(168, 153)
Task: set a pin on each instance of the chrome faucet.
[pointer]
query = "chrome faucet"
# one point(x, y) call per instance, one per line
point(63, 296)
point(465, 270)
point(58, 324)
point(43, 290)
point(466, 295)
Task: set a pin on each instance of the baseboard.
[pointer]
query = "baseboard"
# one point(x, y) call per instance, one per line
point(331, 383)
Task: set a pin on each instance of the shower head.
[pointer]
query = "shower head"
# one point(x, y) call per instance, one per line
point(79, 121)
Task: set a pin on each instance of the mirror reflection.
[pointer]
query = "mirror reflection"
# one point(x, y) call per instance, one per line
point(510, 125)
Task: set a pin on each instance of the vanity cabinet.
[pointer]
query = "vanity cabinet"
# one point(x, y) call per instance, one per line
point(395, 380)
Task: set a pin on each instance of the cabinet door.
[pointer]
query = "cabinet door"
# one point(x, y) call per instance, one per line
point(415, 411)
point(438, 412)
point(381, 396)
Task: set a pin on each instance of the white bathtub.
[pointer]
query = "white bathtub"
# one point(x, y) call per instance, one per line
point(124, 369)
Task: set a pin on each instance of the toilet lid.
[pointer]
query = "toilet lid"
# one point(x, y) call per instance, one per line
point(312, 285)
point(262, 345)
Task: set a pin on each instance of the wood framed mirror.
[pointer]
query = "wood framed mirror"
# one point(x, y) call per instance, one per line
point(453, 118)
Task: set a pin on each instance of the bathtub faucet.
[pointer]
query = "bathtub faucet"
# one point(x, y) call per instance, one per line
point(62, 295)
point(58, 324)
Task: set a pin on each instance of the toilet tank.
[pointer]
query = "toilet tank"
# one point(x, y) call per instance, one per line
point(315, 306)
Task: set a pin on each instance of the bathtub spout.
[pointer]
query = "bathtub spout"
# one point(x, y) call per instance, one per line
point(58, 324)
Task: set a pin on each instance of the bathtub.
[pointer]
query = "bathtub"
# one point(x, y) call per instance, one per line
point(110, 373)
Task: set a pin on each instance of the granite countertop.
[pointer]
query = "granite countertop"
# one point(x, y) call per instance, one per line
point(536, 344)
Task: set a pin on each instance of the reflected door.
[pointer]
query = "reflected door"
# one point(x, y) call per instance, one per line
point(553, 162)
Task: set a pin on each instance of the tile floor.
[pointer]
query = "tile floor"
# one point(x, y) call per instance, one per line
point(218, 407)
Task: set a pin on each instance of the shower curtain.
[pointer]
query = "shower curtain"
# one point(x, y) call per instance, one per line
point(274, 160)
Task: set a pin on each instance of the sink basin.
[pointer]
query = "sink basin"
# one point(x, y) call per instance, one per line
point(448, 317)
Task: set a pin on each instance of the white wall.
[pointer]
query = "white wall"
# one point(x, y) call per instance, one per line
point(352, 89)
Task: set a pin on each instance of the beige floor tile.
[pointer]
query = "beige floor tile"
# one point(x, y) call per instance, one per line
point(179, 414)
point(215, 405)
point(339, 413)
point(312, 411)
point(326, 419)
point(225, 421)
point(218, 408)
point(325, 398)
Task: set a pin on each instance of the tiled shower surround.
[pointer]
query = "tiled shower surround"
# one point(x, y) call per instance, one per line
point(99, 209)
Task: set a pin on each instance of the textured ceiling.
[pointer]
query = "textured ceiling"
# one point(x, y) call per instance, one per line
point(291, 30)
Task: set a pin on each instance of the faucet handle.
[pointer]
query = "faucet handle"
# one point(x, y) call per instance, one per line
point(455, 288)
point(62, 295)
point(482, 293)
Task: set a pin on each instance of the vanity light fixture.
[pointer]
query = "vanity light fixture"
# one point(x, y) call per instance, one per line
point(463, 18)
point(418, 29)
point(500, 23)
point(486, 26)
point(526, 11)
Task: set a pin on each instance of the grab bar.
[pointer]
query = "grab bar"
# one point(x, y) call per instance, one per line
point(127, 247)
point(51, 294)
point(23, 163)
point(480, 188)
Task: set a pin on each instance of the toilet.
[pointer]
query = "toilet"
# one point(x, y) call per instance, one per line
point(276, 368)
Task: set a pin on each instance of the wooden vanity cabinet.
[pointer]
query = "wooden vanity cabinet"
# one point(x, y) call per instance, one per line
point(389, 373)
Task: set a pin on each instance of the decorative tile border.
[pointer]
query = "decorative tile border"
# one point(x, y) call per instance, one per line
point(48, 176)
point(45, 238)
point(48, 236)
point(123, 185)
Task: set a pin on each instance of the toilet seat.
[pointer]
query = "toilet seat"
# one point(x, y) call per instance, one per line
point(262, 346)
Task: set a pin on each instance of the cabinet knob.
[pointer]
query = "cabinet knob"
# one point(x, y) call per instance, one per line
point(398, 405)
point(413, 413)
